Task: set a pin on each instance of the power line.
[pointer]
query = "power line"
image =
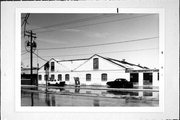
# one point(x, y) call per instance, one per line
point(70, 22)
point(24, 53)
point(94, 45)
point(25, 22)
point(82, 26)
point(25, 19)
point(91, 24)
point(104, 52)
point(133, 50)
point(40, 57)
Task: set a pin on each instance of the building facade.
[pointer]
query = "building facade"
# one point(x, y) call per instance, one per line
point(97, 70)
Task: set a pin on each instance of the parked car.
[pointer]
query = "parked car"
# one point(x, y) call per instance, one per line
point(56, 83)
point(120, 83)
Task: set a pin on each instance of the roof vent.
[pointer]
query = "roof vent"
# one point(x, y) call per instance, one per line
point(123, 60)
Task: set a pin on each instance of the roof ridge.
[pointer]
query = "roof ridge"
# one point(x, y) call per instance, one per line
point(73, 60)
point(100, 57)
point(49, 61)
point(45, 63)
point(114, 62)
point(125, 62)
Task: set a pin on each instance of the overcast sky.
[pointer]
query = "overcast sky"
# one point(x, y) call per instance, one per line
point(134, 37)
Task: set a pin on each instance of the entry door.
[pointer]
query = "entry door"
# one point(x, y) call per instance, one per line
point(147, 78)
point(134, 77)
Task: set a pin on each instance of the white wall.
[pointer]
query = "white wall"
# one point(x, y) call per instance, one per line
point(58, 67)
point(112, 70)
point(95, 77)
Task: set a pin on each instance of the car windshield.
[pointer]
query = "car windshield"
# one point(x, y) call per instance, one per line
point(120, 80)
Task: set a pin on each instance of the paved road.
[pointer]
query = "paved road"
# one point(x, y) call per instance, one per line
point(88, 96)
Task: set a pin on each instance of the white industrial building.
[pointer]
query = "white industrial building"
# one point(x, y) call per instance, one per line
point(97, 70)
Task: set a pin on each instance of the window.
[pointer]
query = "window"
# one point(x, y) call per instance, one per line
point(147, 93)
point(104, 77)
point(88, 77)
point(134, 77)
point(40, 77)
point(59, 77)
point(67, 77)
point(52, 77)
point(45, 77)
point(95, 63)
point(52, 66)
point(46, 66)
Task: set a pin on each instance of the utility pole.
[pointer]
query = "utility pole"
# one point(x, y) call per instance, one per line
point(32, 45)
point(47, 74)
point(31, 56)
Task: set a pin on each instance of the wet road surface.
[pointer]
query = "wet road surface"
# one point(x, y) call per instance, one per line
point(88, 96)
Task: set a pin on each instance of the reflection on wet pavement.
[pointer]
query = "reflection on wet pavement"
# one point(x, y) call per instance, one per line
point(88, 97)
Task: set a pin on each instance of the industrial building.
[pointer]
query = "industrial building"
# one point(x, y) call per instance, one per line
point(97, 70)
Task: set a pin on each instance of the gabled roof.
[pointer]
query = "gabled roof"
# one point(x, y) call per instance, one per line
point(121, 63)
point(110, 61)
point(48, 61)
point(102, 58)
point(125, 63)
